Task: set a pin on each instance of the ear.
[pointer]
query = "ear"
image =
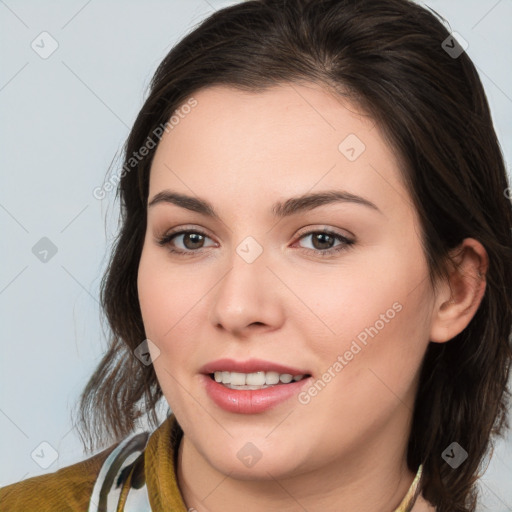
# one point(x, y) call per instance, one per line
point(458, 298)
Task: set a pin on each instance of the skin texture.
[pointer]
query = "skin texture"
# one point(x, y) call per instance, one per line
point(242, 152)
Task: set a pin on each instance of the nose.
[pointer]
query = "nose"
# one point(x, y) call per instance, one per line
point(248, 298)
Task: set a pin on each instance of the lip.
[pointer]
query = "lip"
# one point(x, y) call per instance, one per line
point(249, 366)
point(251, 401)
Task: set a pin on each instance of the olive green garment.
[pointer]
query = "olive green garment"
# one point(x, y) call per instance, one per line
point(69, 489)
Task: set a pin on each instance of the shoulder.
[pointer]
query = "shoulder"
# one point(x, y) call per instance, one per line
point(67, 489)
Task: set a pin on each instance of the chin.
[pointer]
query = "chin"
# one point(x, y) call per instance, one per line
point(246, 460)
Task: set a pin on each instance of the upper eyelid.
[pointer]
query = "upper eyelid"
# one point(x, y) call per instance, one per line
point(312, 229)
point(306, 231)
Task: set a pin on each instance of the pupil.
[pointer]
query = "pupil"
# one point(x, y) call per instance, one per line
point(192, 236)
point(321, 238)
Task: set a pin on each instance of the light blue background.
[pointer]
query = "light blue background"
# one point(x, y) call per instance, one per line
point(63, 119)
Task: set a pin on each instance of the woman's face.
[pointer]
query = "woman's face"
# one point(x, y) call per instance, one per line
point(352, 308)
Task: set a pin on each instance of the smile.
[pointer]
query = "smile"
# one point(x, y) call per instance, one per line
point(255, 380)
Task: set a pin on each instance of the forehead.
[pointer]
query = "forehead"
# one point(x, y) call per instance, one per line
point(286, 121)
point(286, 140)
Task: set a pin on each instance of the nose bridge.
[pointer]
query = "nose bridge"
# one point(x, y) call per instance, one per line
point(249, 250)
point(244, 295)
point(247, 272)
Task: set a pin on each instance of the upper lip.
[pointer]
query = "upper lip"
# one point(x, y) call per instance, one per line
point(249, 366)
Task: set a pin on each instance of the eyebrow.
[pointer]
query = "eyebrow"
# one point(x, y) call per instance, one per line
point(291, 206)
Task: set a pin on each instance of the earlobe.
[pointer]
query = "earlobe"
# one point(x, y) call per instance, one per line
point(458, 298)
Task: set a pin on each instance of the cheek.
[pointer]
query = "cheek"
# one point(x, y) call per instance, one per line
point(165, 294)
point(378, 316)
point(393, 345)
point(162, 306)
point(153, 298)
point(360, 298)
point(170, 302)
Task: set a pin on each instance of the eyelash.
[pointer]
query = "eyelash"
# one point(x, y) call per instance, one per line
point(344, 246)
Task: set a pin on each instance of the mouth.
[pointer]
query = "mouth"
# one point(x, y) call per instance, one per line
point(254, 380)
point(252, 374)
point(253, 386)
point(253, 399)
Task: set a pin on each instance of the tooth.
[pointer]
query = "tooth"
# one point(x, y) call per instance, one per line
point(237, 379)
point(245, 387)
point(255, 379)
point(271, 378)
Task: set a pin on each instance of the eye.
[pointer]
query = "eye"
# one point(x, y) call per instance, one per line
point(322, 242)
point(193, 242)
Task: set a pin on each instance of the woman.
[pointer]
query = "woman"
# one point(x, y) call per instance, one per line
point(313, 269)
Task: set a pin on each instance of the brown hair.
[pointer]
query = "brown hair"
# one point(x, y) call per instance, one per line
point(388, 57)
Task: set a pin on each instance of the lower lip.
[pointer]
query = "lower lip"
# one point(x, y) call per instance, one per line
point(251, 401)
